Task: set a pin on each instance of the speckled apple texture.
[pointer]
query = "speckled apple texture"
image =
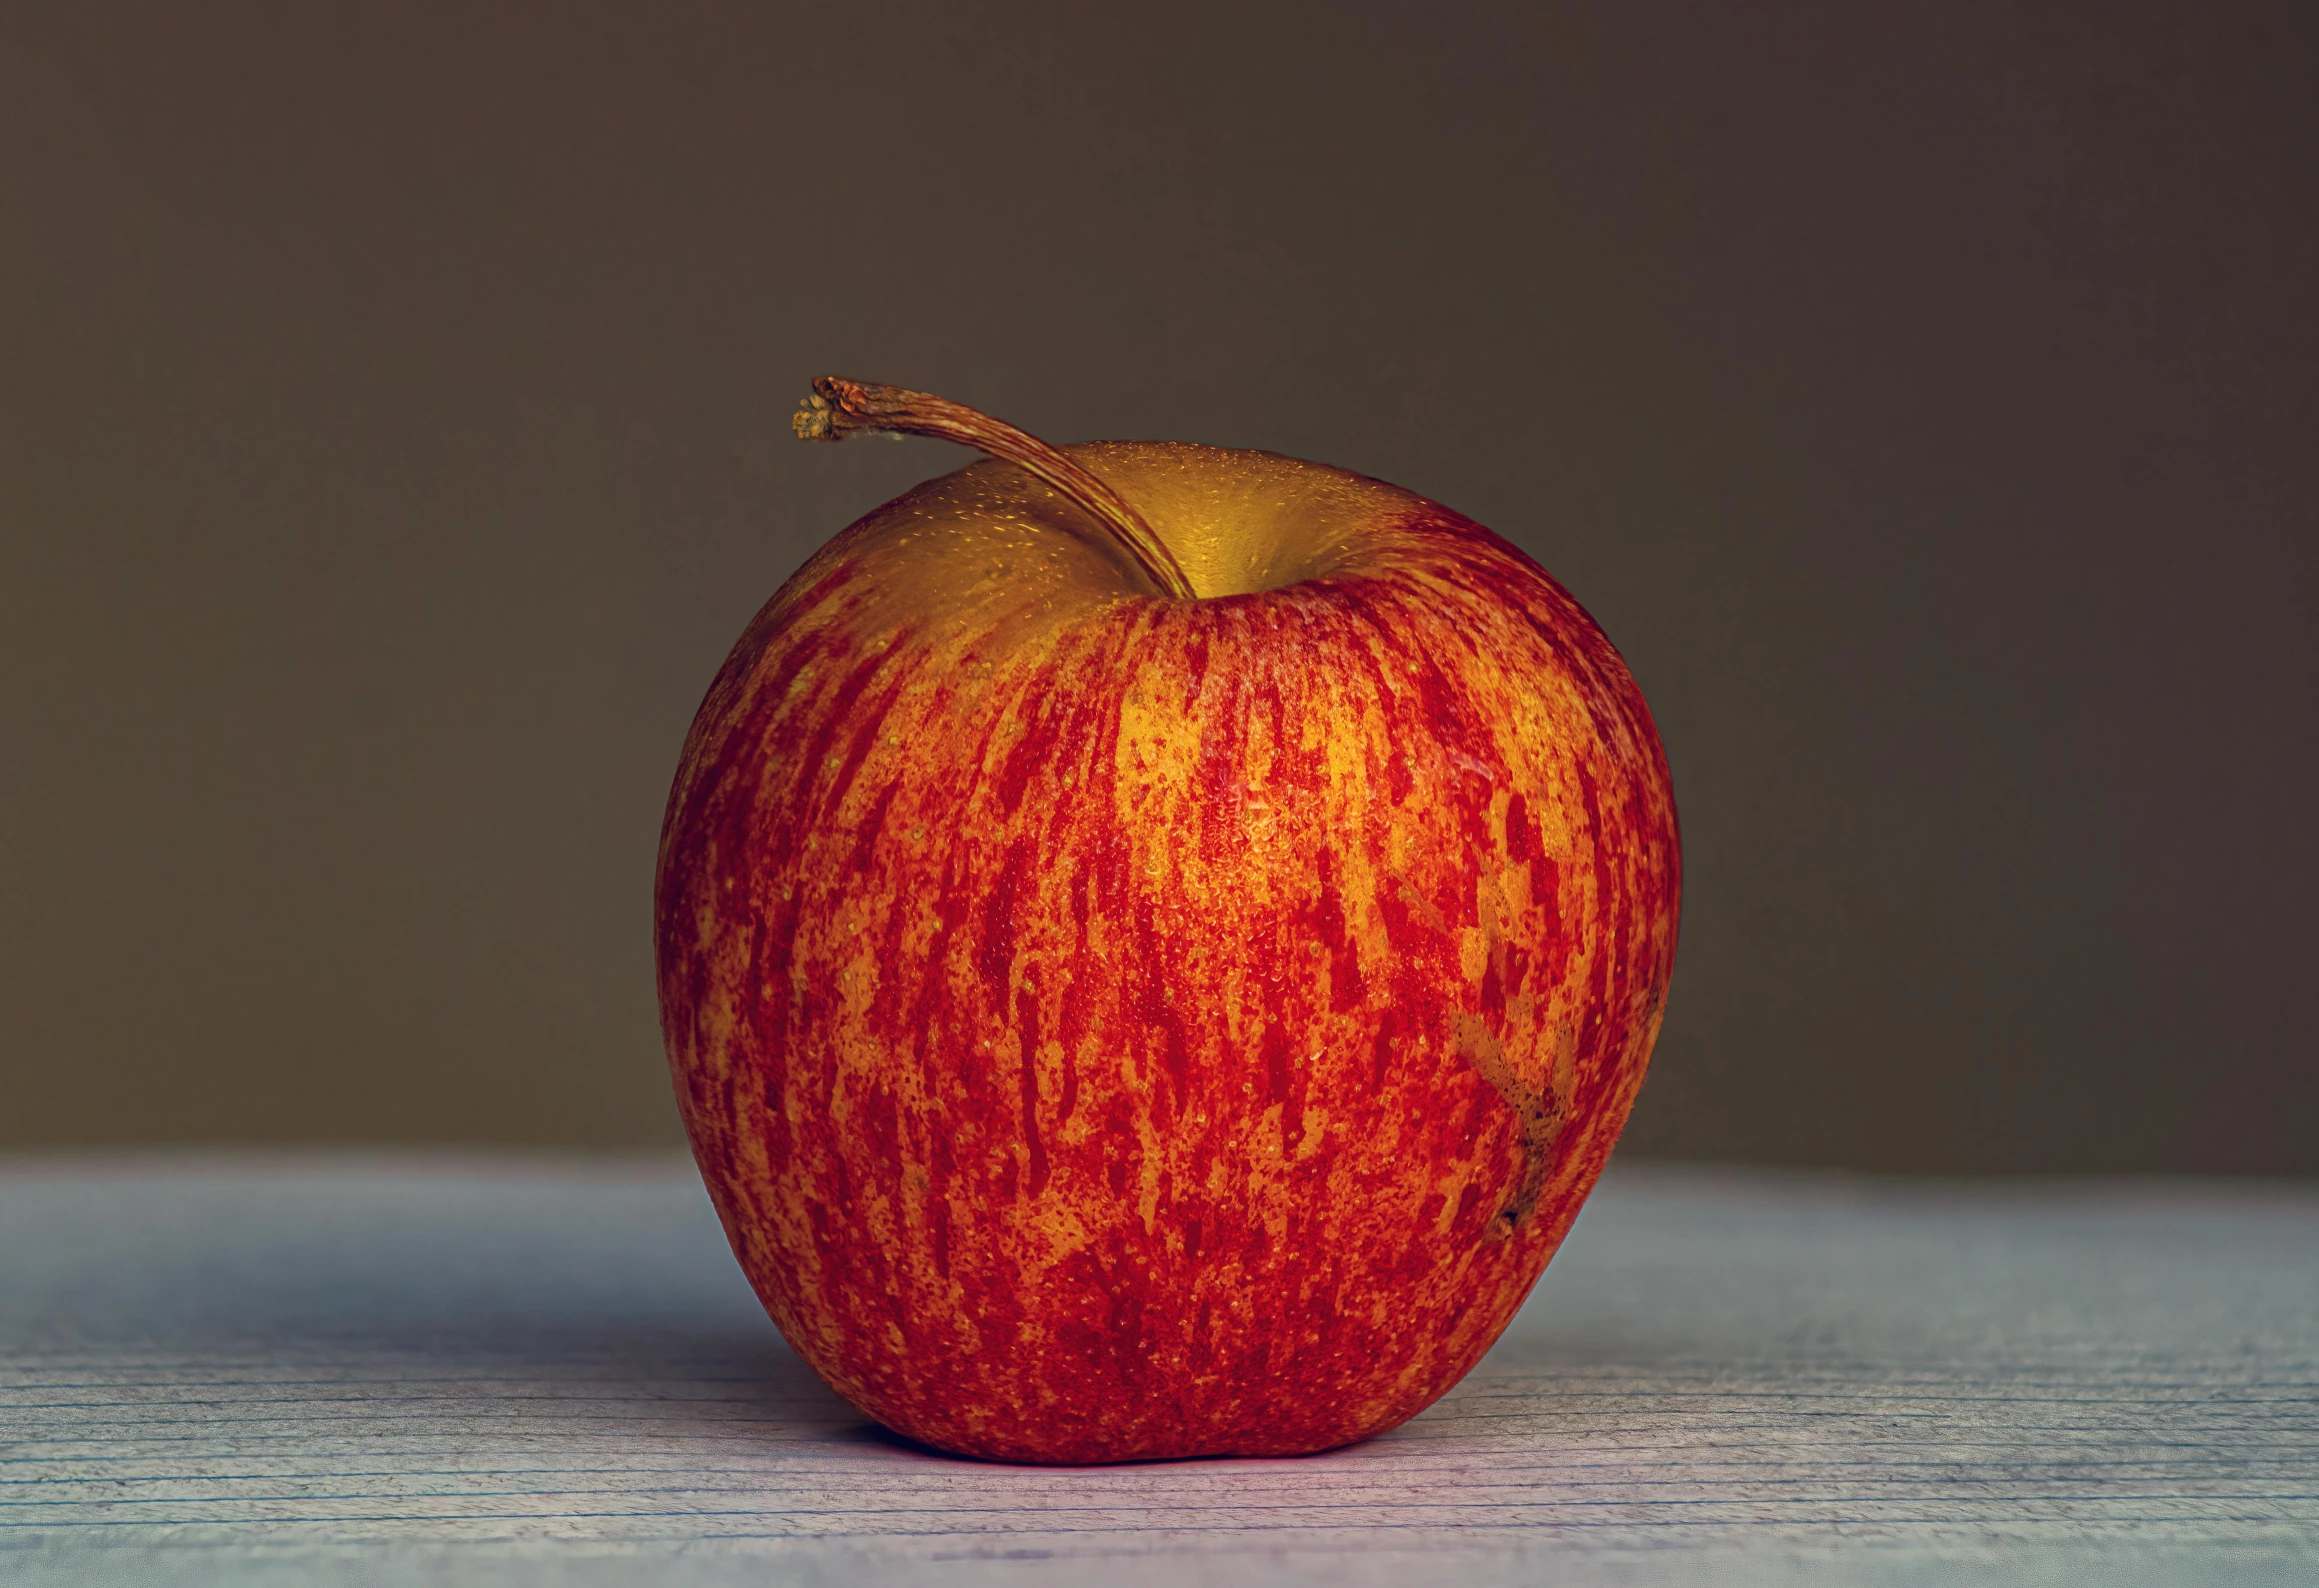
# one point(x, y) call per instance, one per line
point(1162, 1028)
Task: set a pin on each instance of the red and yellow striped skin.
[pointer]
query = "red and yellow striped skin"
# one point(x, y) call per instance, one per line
point(1116, 1027)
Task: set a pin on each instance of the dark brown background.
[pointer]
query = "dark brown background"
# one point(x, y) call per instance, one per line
point(393, 436)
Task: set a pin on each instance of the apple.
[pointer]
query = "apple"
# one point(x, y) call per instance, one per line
point(1156, 942)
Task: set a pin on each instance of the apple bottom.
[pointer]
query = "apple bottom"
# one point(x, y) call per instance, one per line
point(1074, 1327)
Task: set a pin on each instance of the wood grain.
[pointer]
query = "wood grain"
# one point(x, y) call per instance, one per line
point(412, 1369)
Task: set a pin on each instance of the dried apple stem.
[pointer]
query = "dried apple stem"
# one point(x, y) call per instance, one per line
point(839, 408)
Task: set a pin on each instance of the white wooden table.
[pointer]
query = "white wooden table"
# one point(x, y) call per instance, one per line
point(418, 1370)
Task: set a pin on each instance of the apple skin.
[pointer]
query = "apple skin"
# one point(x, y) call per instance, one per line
point(1115, 1027)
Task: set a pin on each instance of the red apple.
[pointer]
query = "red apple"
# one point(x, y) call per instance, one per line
point(1156, 943)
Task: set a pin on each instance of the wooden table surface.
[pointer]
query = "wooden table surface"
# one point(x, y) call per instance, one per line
point(425, 1369)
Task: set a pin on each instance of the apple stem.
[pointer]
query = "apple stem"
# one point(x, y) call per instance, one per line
point(839, 408)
